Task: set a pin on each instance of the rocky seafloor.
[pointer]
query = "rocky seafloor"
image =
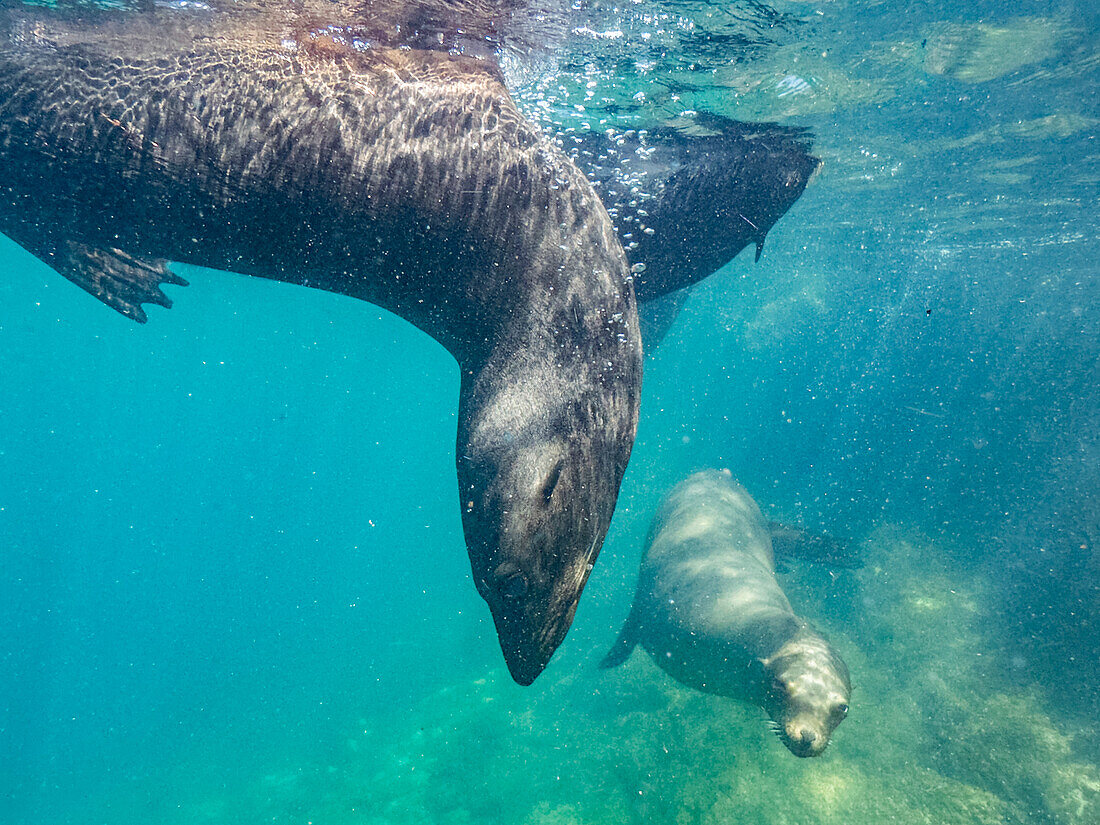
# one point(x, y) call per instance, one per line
point(936, 734)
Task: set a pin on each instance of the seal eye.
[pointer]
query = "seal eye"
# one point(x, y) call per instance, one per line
point(514, 587)
point(842, 709)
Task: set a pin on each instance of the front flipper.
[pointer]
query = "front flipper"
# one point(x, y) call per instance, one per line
point(624, 644)
point(118, 279)
point(789, 542)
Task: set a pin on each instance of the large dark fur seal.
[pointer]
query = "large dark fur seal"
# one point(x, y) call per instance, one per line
point(297, 144)
point(710, 612)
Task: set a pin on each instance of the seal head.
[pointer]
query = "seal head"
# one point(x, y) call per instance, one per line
point(808, 693)
point(538, 483)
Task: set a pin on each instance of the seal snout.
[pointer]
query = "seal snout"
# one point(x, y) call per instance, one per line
point(803, 740)
point(529, 635)
point(524, 666)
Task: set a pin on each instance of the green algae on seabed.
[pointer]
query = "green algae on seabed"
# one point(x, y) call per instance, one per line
point(941, 661)
point(933, 737)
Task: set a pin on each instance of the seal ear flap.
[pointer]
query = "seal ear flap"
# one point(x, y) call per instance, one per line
point(551, 482)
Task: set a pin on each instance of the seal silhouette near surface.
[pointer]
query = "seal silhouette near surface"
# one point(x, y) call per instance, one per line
point(272, 144)
point(688, 197)
point(711, 614)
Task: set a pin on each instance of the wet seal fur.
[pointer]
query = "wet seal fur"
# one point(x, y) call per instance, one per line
point(710, 612)
point(690, 196)
point(294, 142)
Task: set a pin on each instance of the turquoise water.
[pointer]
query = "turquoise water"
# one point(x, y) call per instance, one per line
point(235, 585)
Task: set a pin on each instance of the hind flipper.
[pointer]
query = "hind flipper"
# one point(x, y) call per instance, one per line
point(118, 279)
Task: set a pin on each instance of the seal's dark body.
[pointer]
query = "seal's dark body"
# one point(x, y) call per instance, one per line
point(274, 146)
point(325, 143)
point(688, 199)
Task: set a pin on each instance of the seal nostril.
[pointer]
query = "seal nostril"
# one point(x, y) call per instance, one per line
point(808, 736)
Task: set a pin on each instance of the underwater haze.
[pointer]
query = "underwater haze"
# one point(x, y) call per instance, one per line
point(235, 586)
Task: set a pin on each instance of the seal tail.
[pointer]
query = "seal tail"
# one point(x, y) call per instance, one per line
point(623, 647)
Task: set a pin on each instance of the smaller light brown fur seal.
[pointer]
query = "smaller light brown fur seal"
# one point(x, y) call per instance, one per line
point(710, 612)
